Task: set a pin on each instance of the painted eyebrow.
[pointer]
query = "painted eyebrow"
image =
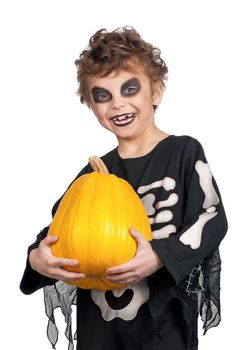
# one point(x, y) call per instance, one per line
point(131, 82)
point(96, 91)
point(99, 90)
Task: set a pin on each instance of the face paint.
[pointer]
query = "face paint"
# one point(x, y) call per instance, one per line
point(130, 87)
point(101, 95)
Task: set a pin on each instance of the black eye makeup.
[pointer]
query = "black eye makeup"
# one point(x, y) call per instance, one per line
point(130, 87)
point(101, 95)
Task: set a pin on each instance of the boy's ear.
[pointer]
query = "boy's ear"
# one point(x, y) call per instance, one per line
point(157, 92)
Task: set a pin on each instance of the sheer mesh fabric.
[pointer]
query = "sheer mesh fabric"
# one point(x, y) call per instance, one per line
point(209, 302)
point(200, 290)
point(203, 287)
point(64, 296)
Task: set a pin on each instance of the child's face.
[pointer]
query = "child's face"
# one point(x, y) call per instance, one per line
point(123, 102)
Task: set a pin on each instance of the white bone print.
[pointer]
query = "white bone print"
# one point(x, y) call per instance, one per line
point(205, 179)
point(163, 216)
point(167, 183)
point(148, 200)
point(172, 200)
point(140, 296)
point(193, 235)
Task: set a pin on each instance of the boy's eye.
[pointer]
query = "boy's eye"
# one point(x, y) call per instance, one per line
point(130, 87)
point(101, 95)
point(130, 90)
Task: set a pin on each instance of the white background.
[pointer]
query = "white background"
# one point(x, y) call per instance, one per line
point(47, 135)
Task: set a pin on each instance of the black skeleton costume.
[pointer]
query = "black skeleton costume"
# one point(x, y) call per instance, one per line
point(188, 223)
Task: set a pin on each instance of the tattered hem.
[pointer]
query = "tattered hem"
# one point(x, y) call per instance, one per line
point(199, 294)
point(64, 296)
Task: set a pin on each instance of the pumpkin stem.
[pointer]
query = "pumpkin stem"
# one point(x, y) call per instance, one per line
point(98, 165)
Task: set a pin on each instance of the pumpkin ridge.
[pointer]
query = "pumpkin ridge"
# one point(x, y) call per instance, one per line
point(123, 216)
point(126, 218)
point(73, 214)
point(116, 212)
point(107, 204)
point(58, 223)
point(129, 193)
point(86, 216)
point(73, 210)
point(69, 207)
point(91, 214)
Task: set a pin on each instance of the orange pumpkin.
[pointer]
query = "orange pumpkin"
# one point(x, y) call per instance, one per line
point(93, 222)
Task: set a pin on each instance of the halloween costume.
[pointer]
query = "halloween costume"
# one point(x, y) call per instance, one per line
point(188, 222)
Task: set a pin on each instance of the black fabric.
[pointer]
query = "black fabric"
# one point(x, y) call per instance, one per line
point(188, 222)
point(93, 333)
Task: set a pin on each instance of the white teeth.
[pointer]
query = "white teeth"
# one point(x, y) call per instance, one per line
point(123, 119)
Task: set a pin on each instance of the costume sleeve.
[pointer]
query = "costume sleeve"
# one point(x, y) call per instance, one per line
point(204, 220)
point(32, 280)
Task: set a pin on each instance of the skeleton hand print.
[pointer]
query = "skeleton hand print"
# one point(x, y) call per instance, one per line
point(164, 216)
point(193, 235)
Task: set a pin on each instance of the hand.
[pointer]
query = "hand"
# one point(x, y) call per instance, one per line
point(43, 261)
point(144, 263)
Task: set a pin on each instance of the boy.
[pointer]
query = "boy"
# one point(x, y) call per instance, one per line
point(174, 277)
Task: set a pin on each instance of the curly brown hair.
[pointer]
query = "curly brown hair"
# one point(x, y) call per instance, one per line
point(117, 50)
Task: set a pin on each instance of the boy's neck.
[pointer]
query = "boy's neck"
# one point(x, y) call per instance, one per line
point(139, 147)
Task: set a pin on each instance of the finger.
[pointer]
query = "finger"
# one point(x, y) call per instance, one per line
point(126, 267)
point(49, 240)
point(74, 276)
point(137, 236)
point(124, 279)
point(64, 262)
point(119, 277)
point(68, 276)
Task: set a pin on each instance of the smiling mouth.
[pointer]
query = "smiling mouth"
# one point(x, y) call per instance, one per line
point(123, 119)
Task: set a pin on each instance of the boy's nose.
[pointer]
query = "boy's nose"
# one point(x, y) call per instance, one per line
point(118, 102)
